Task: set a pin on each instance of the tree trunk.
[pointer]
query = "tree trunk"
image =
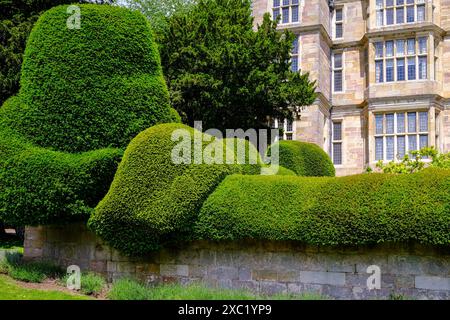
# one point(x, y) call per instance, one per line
point(2, 230)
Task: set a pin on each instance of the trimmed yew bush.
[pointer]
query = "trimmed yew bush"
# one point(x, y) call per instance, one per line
point(41, 186)
point(353, 210)
point(305, 159)
point(85, 93)
point(89, 88)
point(152, 200)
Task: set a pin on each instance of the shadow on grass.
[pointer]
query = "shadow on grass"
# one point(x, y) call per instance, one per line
point(10, 241)
point(14, 266)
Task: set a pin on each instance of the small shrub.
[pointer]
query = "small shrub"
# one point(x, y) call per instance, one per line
point(4, 267)
point(10, 259)
point(415, 162)
point(305, 159)
point(26, 274)
point(197, 292)
point(92, 284)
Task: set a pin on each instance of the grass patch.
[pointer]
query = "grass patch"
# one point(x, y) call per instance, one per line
point(91, 283)
point(12, 291)
point(127, 289)
point(35, 272)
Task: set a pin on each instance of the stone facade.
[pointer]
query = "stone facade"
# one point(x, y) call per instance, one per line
point(259, 266)
point(363, 96)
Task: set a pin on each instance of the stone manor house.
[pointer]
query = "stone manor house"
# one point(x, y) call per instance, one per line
point(383, 76)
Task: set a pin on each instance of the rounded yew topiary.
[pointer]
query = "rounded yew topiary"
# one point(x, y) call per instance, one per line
point(85, 93)
point(154, 200)
point(89, 88)
point(305, 159)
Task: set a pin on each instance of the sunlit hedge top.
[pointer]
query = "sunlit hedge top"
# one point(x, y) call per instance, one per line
point(153, 200)
point(353, 210)
point(305, 159)
point(92, 87)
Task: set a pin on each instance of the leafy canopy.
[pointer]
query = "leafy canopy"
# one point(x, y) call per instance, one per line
point(223, 72)
point(157, 11)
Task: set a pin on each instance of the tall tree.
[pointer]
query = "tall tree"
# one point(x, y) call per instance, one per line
point(223, 72)
point(17, 17)
point(157, 11)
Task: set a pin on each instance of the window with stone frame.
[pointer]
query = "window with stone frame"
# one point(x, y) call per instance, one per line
point(288, 10)
point(338, 23)
point(392, 12)
point(295, 55)
point(399, 133)
point(336, 142)
point(401, 59)
point(286, 127)
point(338, 70)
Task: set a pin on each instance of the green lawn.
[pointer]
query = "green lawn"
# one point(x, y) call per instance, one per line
point(12, 291)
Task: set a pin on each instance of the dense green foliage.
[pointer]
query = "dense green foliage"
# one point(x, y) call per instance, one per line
point(152, 200)
point(305, 159)
point(17, 17)
point(221, 71)
point(415, 162)
point(353, 210)
point(40, 186)
point(282, 171)
point(83, 90)
point(88, 88)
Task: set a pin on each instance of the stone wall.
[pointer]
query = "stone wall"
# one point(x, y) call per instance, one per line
point(262, 267)
point(354, 17)
point(354, 79)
